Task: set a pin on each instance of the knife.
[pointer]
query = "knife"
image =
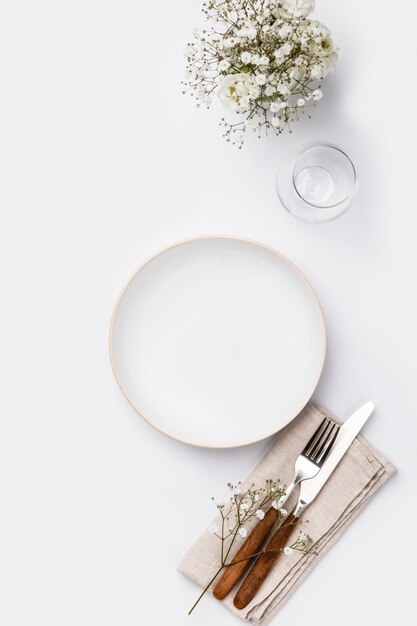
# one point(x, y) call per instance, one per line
point(308, 492)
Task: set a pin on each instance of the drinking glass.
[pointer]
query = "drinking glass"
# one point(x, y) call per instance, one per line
point(317, 183)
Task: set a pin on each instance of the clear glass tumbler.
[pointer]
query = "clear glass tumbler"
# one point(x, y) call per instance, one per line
point(317, 183)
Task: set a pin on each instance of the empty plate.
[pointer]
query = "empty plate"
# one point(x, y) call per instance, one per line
point(217, 341)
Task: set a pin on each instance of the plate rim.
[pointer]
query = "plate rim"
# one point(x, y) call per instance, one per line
point(178, 243)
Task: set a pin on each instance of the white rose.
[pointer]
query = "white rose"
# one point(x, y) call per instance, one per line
point(232, 89)
point(299, 8)
point(330, 63)
point(319, 38)
point(244, 103)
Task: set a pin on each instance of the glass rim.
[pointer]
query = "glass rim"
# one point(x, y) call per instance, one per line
point(326, 206)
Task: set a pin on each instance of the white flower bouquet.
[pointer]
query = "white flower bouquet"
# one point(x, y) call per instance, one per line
point(265, 60)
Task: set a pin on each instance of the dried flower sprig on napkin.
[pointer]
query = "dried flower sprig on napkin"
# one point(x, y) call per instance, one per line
point(241, 508)
point(358, 477)
point(265, 60)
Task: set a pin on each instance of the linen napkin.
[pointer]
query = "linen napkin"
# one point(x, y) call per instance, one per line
point(361, 472)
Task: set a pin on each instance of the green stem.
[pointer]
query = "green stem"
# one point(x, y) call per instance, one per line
point(205, 590)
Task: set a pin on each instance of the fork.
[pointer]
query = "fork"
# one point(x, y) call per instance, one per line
point(307, 465)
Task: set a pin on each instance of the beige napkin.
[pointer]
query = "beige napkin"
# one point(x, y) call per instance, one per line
point(360, 473)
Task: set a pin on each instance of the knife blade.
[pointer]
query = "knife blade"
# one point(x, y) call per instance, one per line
point(347, 433)
point(309, 490)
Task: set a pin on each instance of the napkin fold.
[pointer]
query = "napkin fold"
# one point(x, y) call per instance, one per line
point(361, 472)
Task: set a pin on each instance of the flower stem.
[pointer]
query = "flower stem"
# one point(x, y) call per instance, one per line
point(205, 590)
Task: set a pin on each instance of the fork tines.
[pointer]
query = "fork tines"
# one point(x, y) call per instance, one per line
point(320, 444)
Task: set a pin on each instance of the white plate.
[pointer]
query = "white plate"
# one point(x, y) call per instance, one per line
point(218, 341)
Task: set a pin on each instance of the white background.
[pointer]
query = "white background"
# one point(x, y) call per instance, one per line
point(103, 161)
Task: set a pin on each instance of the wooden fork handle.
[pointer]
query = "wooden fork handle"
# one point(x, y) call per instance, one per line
point(250, 546)
point(266, 561)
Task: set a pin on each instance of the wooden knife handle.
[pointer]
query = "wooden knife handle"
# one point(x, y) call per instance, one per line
point(250, 546)
point(266, 561)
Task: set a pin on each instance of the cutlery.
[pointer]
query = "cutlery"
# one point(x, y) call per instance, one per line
point(308, 491)
point(307, 465)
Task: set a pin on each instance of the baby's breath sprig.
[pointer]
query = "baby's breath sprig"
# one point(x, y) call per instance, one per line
point(264, 59)
point(242, 506)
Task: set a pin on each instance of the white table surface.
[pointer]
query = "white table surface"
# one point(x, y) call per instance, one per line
point(103, 161)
